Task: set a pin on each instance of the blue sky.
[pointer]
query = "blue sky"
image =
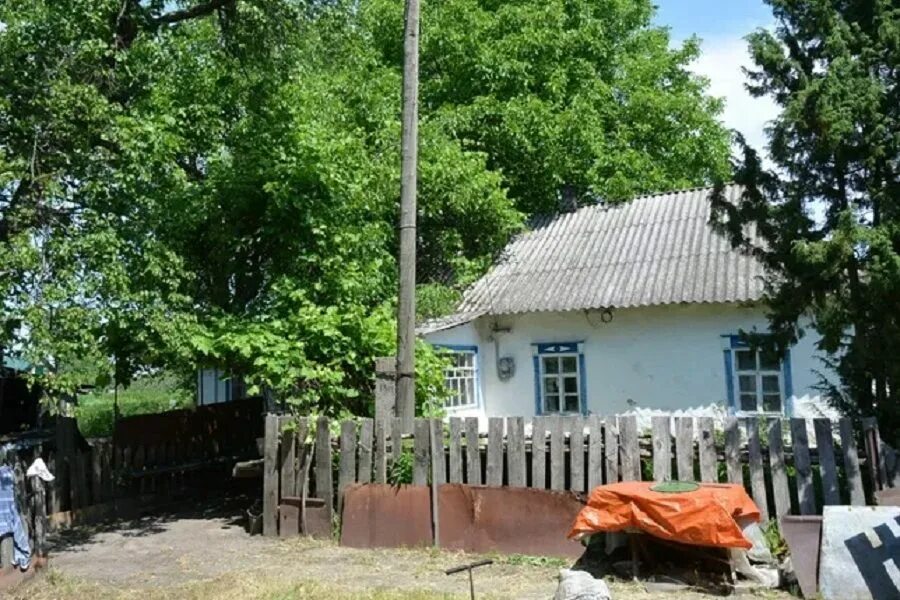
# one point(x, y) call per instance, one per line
point(722, 25)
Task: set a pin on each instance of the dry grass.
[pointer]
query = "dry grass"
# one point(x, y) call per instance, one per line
point(57, 586)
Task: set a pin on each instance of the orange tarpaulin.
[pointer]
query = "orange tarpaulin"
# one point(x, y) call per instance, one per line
point(704, 517)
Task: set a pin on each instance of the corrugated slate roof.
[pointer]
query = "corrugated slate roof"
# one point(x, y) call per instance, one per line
point(653, 250)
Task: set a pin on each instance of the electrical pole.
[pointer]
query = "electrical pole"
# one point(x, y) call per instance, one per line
point(406, 308)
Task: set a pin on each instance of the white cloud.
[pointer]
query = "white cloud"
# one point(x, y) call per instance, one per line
point(720, 62)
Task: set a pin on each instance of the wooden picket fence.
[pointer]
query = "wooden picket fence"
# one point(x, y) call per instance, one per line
point(772, 457)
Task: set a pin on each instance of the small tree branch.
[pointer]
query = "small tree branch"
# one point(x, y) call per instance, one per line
point(199, 10)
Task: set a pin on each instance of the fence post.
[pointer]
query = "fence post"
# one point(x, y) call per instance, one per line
point(385, 388)
point(324, 480)
point(270, 477)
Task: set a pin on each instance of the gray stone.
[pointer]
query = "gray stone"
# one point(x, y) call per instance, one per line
point(580, 585)
point(860, 555)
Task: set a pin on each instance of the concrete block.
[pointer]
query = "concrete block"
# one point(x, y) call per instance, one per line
point(860, 558)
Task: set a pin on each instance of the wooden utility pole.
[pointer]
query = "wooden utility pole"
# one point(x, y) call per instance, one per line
point(406, 308)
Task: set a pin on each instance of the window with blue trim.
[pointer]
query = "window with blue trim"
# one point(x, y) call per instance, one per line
point(559, 378)
point(461, 376)
point(759, 380)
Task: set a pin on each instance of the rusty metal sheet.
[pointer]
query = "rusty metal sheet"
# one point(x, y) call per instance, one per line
point(510, 520)
point(803, 535)
point(383, 516)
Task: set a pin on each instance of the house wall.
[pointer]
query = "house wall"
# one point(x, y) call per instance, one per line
point(665, 357)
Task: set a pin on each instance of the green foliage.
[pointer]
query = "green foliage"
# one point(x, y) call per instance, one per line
point(776, 544)
point(827, 214)
point(400, 471)
point(219, 187)
point(146, 395)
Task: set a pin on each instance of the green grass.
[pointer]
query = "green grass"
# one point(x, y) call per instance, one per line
point(148, 395)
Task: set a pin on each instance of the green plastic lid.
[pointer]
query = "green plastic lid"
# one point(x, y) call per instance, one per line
point(676, 487)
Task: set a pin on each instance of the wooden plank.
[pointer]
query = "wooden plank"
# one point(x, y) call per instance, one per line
point(539, 452)
point(709, 470)
point(734, 470)
point(97, 491)
point(324, 481)
point(851, 463)
point(347, 464)
point(757, 477)
point(455, 448)
point(288, 458)
point(806, 494)
point(557, 453)
point(380, 451)
point(473, 452)
point(874, 453)
point(436, 437)
point(827, 465)
point(684, 447)
point(595, 452)
point(517, 474)
point(270, 477)
point(495, 452)
point(661, 436)
point(438, 477)
point(304, 447)
point(39, 500)
point(780, 491)
point(629, 449)
point(421, 452)
point(576, 454)
point(611, 449)
point(6, 551)
point(366, 437)
point(396, 439)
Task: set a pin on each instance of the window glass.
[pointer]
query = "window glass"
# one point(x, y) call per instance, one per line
point(459, 378)
point(561, 383)
point(758, 384)
point(746, 360)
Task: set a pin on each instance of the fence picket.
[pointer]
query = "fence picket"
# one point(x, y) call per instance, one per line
point(347, 466)
point(456, 461)
point(630, 451)
point(538, 453)
point(684, 447)
point(436, 447)
point(806, 496)
point(396, 439)
point(851, 463)
point(780, 490)
point(576, 454)
point(706, 450)
point(286, 459)
point(595, 452)
point(495, 451)
point(421, 452)
point(734, 470)
point(270, 477)
point(827, 466)
point(557, 454)
point(757, 477)
point(661, 436)
point(473, 452)
point(324, 488)
point(380, 451)
point(611, 449)
point(515, 452)
point(366, 435)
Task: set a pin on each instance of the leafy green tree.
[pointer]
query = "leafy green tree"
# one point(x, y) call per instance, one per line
point(578, 94)
point(827, 214)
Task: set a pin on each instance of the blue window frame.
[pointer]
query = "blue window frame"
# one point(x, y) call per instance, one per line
point(756, 381)
point(559, 378)
point(462, 377)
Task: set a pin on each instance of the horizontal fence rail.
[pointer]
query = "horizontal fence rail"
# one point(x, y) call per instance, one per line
point(788, 466)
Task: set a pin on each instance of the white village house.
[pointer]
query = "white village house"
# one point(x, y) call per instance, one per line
point(611, 308)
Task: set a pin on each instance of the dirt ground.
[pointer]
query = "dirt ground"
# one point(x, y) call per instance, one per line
point(206, 554)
